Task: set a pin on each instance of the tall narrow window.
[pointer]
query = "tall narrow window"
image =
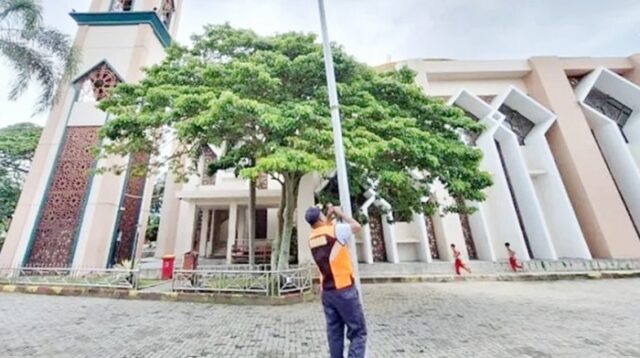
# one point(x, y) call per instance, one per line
point(121, 5)
point(166, 13)
point(610, 107)
point(519, 124)
point(261, 223)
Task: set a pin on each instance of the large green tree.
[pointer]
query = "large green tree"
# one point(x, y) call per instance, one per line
point(35, 51)
point(264, 101)
point(18, 144)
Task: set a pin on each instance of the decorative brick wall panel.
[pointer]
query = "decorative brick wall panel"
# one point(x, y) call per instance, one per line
point(468, 236)
point(377, 236)
point(431, 234)
point(132, 204)
point(62, 211)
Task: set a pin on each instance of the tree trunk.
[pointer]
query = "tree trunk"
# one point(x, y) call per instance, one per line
point(252, 222)
point(291, 188)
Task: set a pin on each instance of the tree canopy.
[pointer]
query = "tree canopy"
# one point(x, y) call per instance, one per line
point(263, 99)
point(35, 51)
point(18, 144)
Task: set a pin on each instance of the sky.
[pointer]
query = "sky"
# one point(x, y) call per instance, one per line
point(379, 31)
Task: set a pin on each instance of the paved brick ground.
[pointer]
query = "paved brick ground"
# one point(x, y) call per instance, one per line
point(463, 319)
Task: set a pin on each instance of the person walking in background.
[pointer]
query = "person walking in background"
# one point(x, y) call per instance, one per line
point(513, 262)
point(458, 264)
point(340, 299)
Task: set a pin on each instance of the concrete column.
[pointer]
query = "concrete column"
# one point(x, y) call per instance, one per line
point(242, 225)
point(424, 252)
point(186, 221)
point(202, 250)
point(603, 217)
point(145, 212)
point(305, 200)
point(525, 195)
point(367, 250)
point(232, 231)
point(390, 242)
point(169, 214)
point(96, 235)
point(210, 238)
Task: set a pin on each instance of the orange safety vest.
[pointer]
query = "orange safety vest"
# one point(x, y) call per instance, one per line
point(332, 258)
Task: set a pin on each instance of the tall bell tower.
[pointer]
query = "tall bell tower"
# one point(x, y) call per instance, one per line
point(66, 216)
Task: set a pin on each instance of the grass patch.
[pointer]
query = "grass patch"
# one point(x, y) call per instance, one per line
point(149, 282)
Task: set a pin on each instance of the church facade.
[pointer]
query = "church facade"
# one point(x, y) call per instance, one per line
point(561, 141)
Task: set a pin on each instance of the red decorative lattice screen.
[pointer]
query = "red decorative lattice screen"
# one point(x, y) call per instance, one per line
point(431, 234)
point(377, 236)
point(132, 203)
point(53, 242)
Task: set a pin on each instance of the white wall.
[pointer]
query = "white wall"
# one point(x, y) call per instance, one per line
point(407, 240)
point(272, 223)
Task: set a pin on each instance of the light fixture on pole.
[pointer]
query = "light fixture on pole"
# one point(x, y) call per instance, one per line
point(343, 183)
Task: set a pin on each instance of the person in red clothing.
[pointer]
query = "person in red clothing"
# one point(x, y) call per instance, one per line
point(458, 264)
point(513, 262)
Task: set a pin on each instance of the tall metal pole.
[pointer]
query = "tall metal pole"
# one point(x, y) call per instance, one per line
point(343, 183)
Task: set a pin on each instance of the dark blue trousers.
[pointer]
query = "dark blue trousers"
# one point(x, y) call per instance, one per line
point(342, 309)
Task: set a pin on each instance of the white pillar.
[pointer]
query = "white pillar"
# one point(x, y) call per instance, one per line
point(204, 225)
point(232, 229)
point(530, 210)
point(210, 238)
point(186, 223)
point(242, 225)
point(390, 242)
point(367, 247)
point(305, 200)
point(169, 215)
point(424, 251)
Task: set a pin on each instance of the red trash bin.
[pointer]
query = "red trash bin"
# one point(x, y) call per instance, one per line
point(190, 261)
point(167, 266)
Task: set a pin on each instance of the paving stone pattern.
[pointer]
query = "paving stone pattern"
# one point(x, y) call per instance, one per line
point(460, 319)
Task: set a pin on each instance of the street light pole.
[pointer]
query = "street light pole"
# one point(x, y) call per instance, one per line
point(343, 183)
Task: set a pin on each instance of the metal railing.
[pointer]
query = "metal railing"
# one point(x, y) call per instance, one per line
point(256, 280)
point(65, 276)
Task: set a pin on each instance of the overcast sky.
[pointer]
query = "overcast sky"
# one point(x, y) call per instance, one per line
point(376, 31)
